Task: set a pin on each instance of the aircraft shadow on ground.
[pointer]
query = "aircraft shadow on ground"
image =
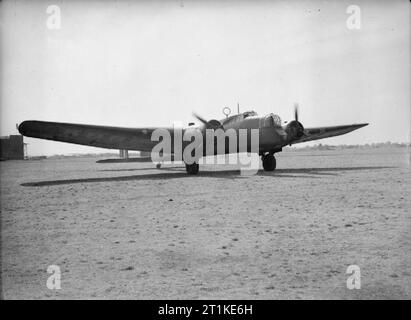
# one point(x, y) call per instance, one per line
point(180, 173)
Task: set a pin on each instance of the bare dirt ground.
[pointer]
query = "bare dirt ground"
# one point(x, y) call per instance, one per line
point(127, 230)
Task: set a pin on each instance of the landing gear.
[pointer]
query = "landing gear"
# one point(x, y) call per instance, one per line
point(269, 162)
point(192, 168)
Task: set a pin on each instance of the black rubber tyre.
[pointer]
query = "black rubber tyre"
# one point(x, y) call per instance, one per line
point(269, 162)
point(192, 168)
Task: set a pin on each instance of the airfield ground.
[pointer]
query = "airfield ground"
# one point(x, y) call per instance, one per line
point(128, 230)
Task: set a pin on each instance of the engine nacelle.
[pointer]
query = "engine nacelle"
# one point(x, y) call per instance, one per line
point(214, 124)
point(294, 130)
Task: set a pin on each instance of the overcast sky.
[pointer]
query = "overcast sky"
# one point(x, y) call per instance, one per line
point(136, 64)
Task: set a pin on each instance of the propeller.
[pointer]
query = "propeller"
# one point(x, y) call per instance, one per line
point(212, 124)
point(294, 128)
point(296, 107)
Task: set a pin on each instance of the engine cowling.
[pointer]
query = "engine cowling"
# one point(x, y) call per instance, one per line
point(214, 124)
point(294, 130)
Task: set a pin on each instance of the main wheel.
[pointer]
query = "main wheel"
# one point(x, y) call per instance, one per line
point(192, 168)
point(269, 162)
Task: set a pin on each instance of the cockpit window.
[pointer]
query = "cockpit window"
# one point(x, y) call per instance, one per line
point(272, 120)
point(277, 120)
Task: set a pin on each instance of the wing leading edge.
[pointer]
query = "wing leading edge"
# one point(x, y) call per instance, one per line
point(327, 132)
point(91, 135)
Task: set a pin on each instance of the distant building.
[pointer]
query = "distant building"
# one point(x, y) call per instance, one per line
point(12, 148)
point(123, 154)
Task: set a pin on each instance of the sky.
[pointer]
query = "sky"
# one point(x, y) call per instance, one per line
point(152, 63)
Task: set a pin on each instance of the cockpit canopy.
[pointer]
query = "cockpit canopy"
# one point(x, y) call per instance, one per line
point(271, 120)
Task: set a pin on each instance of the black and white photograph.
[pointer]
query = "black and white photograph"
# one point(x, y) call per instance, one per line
point(233, 151)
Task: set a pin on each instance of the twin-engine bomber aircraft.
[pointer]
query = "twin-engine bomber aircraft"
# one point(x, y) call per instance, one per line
point(272, 135)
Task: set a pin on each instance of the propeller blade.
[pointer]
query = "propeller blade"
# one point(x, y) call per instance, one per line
point(296, 111)
point(211, 124)
point(200, 118)
point(294, 128)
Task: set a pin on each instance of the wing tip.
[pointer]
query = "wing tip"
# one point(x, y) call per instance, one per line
point(26, 126)
point(22, 127)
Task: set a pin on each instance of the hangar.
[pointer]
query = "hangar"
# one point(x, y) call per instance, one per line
point(12, 147)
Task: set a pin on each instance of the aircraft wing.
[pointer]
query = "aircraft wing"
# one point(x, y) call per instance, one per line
point(91, 135)
point(326, 132)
